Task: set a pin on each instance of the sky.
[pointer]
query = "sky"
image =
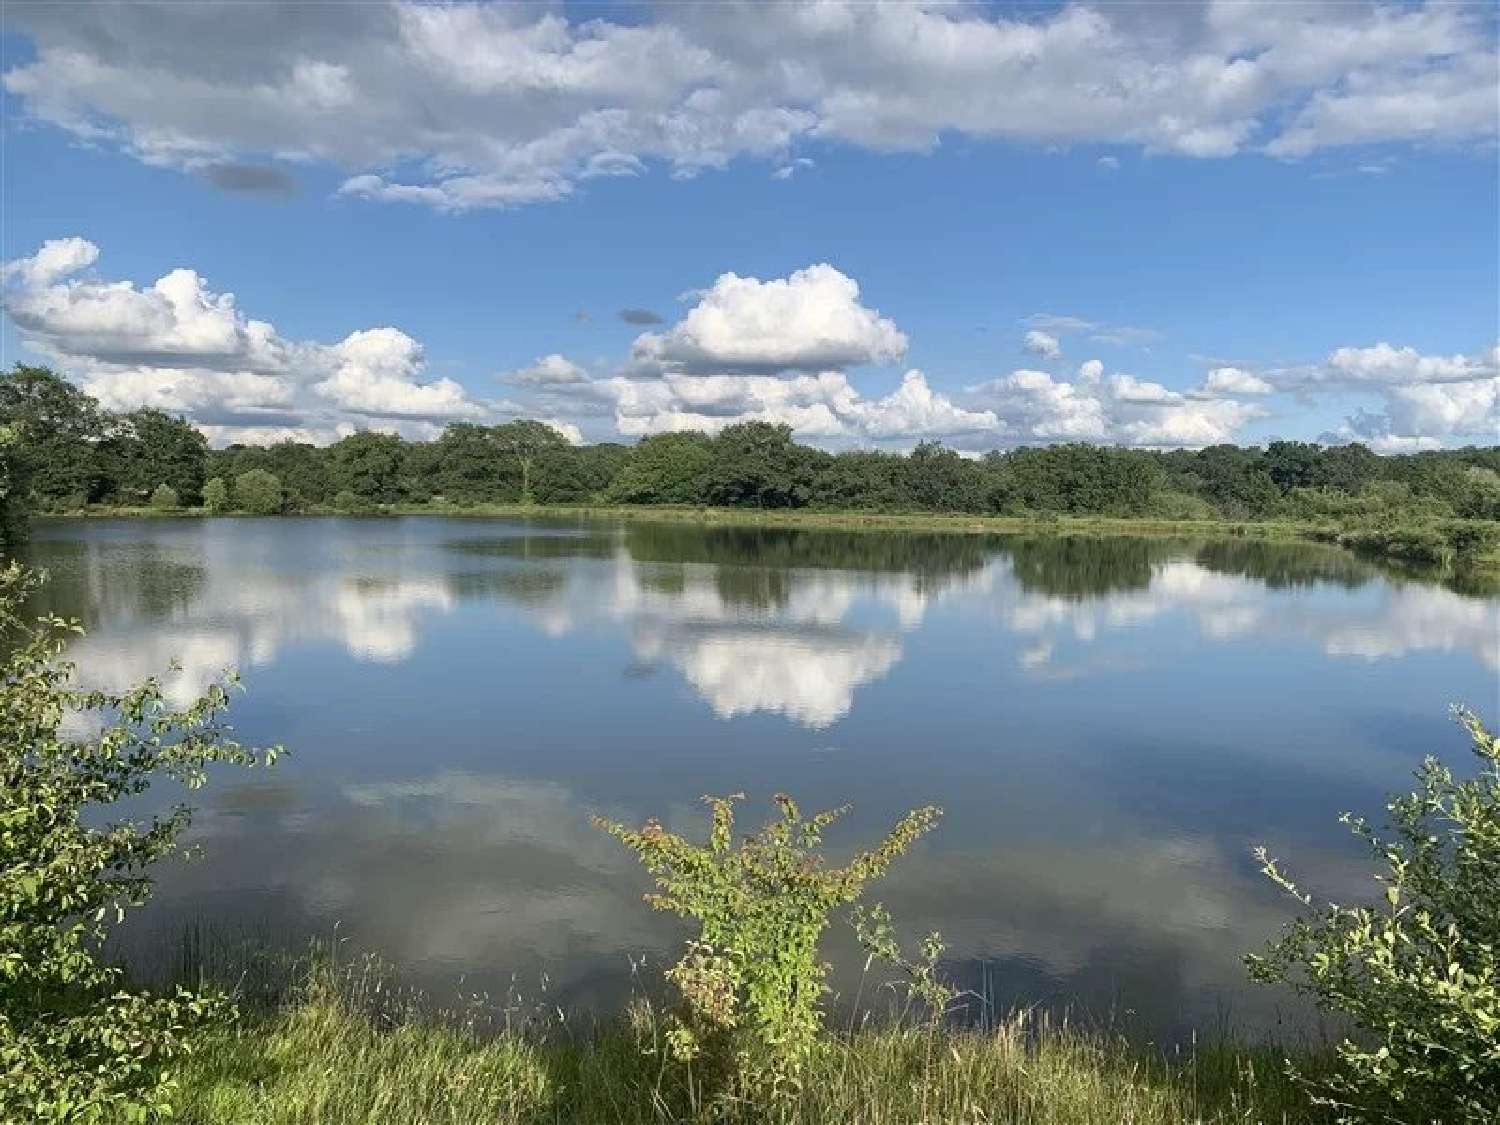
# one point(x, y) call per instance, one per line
point(1149, 224)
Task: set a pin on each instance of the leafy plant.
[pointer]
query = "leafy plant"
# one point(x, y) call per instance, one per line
point(165, 498)
point(752, 981)
point(1419, 975)
point(352, 502)
point(216, 495)
point(259, 492)
point(76, 1044)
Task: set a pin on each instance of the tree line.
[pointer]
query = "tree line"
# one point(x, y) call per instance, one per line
point(60, 450)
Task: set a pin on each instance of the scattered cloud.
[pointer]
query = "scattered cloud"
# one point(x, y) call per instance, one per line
point(1235, 381)
point(550, 370)
point(777, 350)
point(640, 316)
point(1042, 344)
point(1121, 335)
point(178, 345)
point(534, 103)
point(1033, 406)
point(1426, 400)
point(791, 168)
point(1109, 163)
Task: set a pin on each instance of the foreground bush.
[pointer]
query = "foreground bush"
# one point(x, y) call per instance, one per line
point(752, 982)
point(77, 1045)
point(1419, 975)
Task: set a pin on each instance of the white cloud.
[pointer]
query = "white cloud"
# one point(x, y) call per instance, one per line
point(532, 103)
point(1042, 344)
point(376, 376)
point(1383, 363)
point(824, 406)
point(810, 321)
point(179, 346)
point(549, 370)
point(1426, 399)
point(1235, 381)
point(1121, 335)
point(1033, 406)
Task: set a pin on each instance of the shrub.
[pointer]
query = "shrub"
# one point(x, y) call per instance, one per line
point(216, 495)
point(76, 1044)
point(352, 502)
point(1419, 975)
point(752, 982)
point(164, 498)
point(258, 492)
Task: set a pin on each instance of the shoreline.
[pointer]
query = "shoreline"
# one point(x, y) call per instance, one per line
point(1384, 545)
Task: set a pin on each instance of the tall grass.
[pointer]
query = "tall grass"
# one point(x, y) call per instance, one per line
point(345, 1049)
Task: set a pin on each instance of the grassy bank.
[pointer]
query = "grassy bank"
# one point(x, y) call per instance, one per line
point(336, 1056)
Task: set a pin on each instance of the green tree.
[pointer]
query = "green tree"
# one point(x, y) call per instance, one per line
point(861, 479)
point(464, 465)
point(1419, 974)
point(258, 492)
point(77, 1044)
point(757, 465)
point(527, 443)
point(216, 495)
point(1293, 464)
point(664, 469)
point(14, 509)
point(165, 497)
point(57, 429)
point(937, 479)
point(369, 465)
point(146, 448)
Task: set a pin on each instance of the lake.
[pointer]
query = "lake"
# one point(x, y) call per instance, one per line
point(1110, 724)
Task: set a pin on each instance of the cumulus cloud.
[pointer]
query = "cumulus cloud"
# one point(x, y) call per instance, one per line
point(810, 321)
point(534, 104)
point(1042, 344)
point(550, 370)
point(1426, 400)
point(1235, 381)
point(179, 346)
point(1382, 363)
point(1033, 406)
point(774, 351)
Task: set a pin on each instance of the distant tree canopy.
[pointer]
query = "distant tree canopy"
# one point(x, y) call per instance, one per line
point(65, 451)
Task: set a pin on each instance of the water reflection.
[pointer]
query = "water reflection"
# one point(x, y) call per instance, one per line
point(461, 695)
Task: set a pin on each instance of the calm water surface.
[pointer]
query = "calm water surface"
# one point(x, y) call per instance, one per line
point(1111, 725)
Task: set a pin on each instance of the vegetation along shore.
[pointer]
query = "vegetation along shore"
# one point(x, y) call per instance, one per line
point(61, 452)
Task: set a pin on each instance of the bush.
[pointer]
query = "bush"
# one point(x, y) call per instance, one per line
point(258, 492)
point(353, 503)
point(76, 1044)
point(751, 982)
point(1419, 975)
point(165, 498)
point(216, 495)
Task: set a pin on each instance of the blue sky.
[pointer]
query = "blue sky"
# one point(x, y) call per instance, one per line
point(1280, 194)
